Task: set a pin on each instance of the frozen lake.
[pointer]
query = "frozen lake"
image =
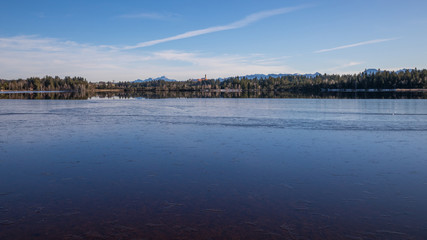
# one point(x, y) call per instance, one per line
point(213, 169)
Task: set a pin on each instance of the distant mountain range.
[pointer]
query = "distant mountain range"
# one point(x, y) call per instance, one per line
point(371, 71)
point(374, 71)
point(263, 76)
point(155, 79)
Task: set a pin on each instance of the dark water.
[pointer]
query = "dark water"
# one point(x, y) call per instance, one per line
point(213, 169)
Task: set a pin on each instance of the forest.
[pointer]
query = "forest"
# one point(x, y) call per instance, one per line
point(47, 83)
point(381, 80)
point(409, 79)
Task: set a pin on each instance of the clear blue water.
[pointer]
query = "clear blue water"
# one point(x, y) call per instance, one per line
point(213, 169)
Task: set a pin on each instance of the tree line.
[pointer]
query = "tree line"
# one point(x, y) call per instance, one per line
point(47, 83)
point(409, 79)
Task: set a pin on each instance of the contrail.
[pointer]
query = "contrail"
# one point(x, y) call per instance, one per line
point(355, 45)
point(238, 24)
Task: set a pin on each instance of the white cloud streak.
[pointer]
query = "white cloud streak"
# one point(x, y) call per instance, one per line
point(355, 45)
point(238, 24)
point(347, 65)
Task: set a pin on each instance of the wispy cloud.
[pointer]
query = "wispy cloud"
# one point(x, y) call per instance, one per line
point(264, 60)
point(26, 56)
point(149, 15)
point(343, 66)
point(238, 24)
point(355, 45)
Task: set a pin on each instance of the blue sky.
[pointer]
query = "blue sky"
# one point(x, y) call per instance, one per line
point(126, 40)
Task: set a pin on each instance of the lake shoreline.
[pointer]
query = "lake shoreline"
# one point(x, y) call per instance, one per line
point(255, 91)
point(20, 91)
point(107, 93)
point(376, 90)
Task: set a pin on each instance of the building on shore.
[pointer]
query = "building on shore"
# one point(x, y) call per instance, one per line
point(202, 79)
